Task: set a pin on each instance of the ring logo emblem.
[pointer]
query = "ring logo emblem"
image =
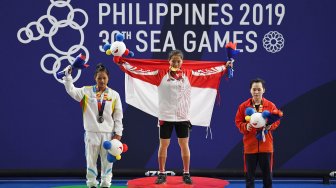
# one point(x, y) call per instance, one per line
point(68, 55)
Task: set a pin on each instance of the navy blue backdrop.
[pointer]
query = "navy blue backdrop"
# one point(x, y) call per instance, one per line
point(290, 44)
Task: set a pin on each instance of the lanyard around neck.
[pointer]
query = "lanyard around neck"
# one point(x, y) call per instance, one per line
point(260, 109)
point(176, 75)
point(101, 100)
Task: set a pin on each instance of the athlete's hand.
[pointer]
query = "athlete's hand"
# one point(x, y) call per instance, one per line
point(229, 63)
point(68, 70)
point(248, 127)
point(116, 137)
point(268, 127)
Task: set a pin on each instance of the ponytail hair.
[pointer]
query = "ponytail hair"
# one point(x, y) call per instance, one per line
point(101, 68)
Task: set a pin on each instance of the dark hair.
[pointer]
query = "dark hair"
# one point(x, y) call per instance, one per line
point(101, 68)
point(175, 53)
point(258, 80)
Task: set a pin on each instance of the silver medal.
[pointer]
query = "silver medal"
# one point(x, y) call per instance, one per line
point(100, 119)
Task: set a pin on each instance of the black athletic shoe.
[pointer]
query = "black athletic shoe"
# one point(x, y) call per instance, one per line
point(161, 179)
point(93, 187)
point(186, 178)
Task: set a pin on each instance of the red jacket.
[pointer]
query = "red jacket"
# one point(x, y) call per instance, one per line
point(251, 143)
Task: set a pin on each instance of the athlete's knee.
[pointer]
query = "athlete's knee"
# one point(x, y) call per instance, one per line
point(164, 143)
point(183, 142)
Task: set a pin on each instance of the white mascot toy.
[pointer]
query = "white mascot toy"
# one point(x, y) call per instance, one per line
point(114, 149)
point(262, 120)
point(117, 48)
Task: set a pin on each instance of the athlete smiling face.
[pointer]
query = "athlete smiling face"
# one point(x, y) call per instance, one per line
point(175, 60)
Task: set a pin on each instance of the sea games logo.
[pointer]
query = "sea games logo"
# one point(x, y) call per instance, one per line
point(26, 35)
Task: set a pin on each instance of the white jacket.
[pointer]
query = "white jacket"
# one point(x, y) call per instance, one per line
point(174, 96)
point(174, 99)
point(112, 114)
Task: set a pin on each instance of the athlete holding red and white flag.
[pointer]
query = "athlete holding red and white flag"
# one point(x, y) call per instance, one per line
point(180, 96)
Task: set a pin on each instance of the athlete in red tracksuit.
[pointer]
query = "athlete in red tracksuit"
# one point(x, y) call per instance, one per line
point(257, 151)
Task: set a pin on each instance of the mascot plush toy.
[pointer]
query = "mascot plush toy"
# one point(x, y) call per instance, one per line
point(117, 48)
point(231, 53)
point(114, 149)
point(79, 63)
point(262, 120)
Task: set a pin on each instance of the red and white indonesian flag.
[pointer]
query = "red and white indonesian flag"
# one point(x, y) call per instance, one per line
point(141, 86)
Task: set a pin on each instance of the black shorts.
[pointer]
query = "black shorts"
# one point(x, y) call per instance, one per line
point(182, 129)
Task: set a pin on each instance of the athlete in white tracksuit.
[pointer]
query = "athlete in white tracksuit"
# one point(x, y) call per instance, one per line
point(97, 131)
point(174, 100)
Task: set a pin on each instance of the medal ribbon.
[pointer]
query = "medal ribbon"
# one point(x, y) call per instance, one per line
point(177, 75)
point(100, 103)
point(260, 109)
